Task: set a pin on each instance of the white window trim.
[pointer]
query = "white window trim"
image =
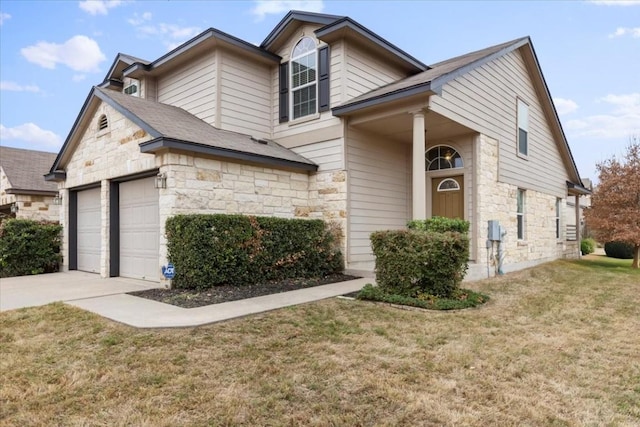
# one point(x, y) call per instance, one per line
point(311, 116)
point(558, 219)
point(455, 151)
point(521, 214)
point(522, 119)
point(448, 189)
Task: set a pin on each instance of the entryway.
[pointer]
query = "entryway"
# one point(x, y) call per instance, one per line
point(448, 197)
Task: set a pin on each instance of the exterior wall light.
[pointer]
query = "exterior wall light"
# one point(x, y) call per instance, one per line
point(57, 200)
point(161, 180)
point(14, 208)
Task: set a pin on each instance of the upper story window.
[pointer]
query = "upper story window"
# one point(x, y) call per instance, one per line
point(442, 157)
point(304, 73)
point(103, 122)
point(132, 87)
point(523, 128)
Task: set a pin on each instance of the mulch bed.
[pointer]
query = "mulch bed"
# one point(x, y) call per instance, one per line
point(188, 298)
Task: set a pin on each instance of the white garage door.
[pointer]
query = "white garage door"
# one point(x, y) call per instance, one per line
point(139, 230)
point(89, 225)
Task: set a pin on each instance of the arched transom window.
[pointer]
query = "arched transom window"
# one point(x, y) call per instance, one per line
point(442, 157)
point(448, 184)
point(303, 78)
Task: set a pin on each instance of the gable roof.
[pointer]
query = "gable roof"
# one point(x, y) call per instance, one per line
point(429, 81)
point(25, 170)
point(119, 64)
point(173, 127)
point(284, 27)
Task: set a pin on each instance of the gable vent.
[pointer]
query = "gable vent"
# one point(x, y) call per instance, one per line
point(103, 122)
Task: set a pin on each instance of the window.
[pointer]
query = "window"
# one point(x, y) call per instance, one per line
point(103, 123)
point(558, 212)
point(442, 157)
point(303, 78)
point(448, 184)
point(131, 87)
point(523, 128)
point(520, 215)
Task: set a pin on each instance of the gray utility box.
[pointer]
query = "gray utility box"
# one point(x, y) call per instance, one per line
point(493, 232)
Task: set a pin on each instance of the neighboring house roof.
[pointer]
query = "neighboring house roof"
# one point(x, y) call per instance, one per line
point(25, 170)
point(429, 81)
point(173, 127)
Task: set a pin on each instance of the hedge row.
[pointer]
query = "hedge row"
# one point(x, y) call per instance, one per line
point(620, 250)
point(29, 247)
point(209, 250)
point(439, 224)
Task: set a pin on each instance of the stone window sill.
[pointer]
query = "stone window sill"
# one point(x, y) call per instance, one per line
point(523, 243)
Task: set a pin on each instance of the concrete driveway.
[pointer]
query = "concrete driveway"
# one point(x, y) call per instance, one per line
point(31, 291)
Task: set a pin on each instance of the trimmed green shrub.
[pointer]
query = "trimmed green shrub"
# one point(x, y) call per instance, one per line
point(587, 246)
point(439, 224)
point(619, 250)
point(411, 262)
point(462, 298)
point(210, 250)
point(29, 247)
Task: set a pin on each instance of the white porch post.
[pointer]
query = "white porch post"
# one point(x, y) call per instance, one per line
point(578, 227)
point(419, 179)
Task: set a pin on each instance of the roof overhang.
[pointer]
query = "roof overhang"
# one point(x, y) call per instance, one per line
point(196, 47)
point(56, 176)
point(163, 143)
point(401, 94)
point(348, 28)
point(287, 26)
point(577, 189)
point(31, 192)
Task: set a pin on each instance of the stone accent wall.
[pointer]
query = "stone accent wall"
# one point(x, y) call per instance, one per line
point(38, 208)
point(497, 201)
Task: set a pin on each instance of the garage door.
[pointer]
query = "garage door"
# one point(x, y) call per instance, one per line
point(89, 225)
point(139, 230)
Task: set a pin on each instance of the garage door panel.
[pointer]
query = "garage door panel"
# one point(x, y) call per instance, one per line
point(89, 225)
point(139, 229)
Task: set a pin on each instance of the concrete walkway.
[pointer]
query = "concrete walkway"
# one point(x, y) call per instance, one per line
point(108, 298)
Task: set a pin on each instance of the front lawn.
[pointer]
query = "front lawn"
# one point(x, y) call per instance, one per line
point(555, 345)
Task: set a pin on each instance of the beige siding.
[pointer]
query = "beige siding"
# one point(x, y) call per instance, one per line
point(245, 91)
point(485, 100)
point(378, 192)
point(327, 155)
point(365, 72)
point(191, 87)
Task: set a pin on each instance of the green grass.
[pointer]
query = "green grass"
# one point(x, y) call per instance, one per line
point(556, 345)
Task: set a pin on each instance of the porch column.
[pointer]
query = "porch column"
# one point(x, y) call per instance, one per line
point(419, 179)
point(578, 227)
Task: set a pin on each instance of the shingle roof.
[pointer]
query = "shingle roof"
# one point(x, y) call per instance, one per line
point(170, 122)
point(426, 78)
point(25, 169)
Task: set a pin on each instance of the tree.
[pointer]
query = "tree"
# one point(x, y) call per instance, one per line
point(615, 203)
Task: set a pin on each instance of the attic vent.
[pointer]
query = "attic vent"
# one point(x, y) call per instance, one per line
point(103, 122)
point(260, 141)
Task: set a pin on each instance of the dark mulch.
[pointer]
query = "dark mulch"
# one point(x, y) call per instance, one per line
point(187, 298)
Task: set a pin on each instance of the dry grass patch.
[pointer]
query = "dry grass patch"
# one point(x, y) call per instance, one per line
point(556, 345)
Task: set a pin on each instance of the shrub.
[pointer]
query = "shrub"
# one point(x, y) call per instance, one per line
point(29, 247)
point(411, 262)
point(209, 250)
point(462, 298)
point(439, 224)
point(587, 246)
point(619, 250)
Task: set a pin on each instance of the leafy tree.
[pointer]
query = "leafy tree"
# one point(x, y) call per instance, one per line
point(615, 203)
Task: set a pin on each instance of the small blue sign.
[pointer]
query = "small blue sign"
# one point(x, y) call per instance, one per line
point(169, 271)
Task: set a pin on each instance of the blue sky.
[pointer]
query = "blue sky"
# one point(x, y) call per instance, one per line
point(51, 53)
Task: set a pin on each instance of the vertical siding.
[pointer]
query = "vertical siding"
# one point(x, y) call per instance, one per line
point(378, 190)
point(365, 72)
point(191, 87)
point(485, 99)
point(328, 155)
point(245, 95)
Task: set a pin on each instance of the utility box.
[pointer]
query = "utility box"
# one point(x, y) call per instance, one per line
point(493, 232)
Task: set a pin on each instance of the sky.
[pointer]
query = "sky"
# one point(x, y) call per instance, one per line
point(53, 52)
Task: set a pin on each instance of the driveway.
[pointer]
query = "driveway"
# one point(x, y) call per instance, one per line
point(31, 291)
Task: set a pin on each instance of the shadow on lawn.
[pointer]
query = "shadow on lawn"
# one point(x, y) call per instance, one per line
point(602, 261)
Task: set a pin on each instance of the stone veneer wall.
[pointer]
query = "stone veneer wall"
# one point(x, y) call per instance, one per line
point(38, 208)
point(497, 201)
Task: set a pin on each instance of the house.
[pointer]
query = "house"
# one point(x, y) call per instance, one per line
point(23, 191)
point(325, 119)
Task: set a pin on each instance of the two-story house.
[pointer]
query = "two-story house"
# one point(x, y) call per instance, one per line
point(325, 119)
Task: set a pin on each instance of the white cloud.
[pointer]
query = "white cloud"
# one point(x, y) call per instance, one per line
point(80, 53)
point(139, 19)
point(31, 133)
point(565, 106)
point(621, 121)
point(16, 87)
point(98, 7)
point(623, 31)
point(78, 77)
point(616, 2)
point(171, 35)
point(4, 17)
point(266, 7)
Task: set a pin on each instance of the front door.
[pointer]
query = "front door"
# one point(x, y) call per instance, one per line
point(448, 197)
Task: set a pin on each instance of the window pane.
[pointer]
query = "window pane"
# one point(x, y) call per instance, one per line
point(304, 101)
point(520, 227)
point(522, 141)
point(520, 201)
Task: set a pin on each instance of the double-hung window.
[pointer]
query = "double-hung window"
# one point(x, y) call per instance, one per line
point(304, 75)
point(558, 213)
point(520, 214)
point(523, 128)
